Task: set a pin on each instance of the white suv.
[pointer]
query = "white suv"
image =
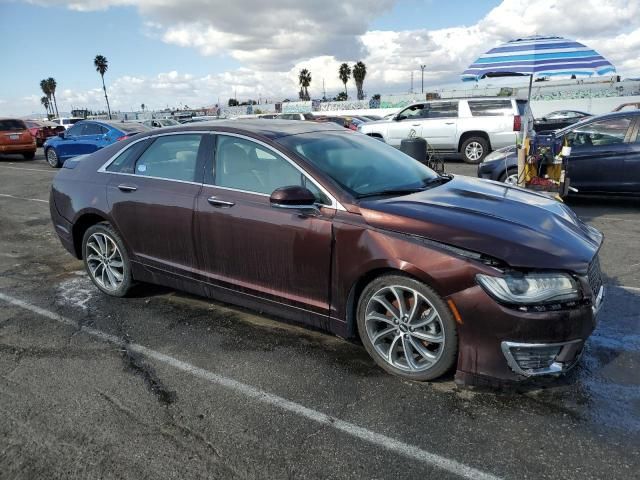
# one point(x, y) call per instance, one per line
point(471, 126)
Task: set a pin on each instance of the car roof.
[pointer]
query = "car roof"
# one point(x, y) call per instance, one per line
point(267, 128)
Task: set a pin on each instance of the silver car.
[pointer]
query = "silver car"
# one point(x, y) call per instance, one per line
point(472, 127)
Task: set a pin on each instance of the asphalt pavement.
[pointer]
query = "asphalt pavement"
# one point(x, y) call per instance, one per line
point(167, 385)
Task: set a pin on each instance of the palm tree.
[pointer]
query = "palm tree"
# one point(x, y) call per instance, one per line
point(45, 103)
point(44, 85)
point(51, 82)
point(359, 72)
point(304, 77)
point(102, 65)
point(344, 73)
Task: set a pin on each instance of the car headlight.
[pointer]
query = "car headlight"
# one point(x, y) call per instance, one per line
point(530, 288)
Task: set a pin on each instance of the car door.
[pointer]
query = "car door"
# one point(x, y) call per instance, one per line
point(439, 125)
point(631, 168)
point(152, 193)
point(249, 246)
point(90, 139)
point(598, 153)
point(68, 145)
point(408, 123)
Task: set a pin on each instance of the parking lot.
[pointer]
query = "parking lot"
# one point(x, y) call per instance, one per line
point(166, 385)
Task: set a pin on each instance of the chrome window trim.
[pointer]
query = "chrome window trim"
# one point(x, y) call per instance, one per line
point(335, 204)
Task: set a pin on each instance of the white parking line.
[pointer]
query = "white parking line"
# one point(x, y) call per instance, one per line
point(388, 443)
point(633, 289)
point(6, 195)
point(31, 169)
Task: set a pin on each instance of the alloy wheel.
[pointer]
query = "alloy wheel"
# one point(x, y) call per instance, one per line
point(474, 151)
point(511, 179)
point(404, 328)
point(52, 158)
point(104, 260)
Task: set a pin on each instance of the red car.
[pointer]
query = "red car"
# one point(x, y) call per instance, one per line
point(16, 138)
point(316, 223)
point(41, 130)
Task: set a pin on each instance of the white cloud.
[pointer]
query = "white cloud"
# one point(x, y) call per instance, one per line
point(273, 40)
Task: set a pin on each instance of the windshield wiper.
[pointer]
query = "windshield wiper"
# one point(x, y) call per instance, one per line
point(391, 191)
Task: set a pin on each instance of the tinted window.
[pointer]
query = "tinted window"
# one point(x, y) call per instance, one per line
point(441, 110)
point(93, 129)
point(12, 125)
point(172, 157)
point(360, 164)
point(246, 165)
point(75, 130)
point(124, 162)
point(487, 108)
point(604, 132)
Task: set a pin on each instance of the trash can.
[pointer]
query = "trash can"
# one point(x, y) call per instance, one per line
point(415, 147)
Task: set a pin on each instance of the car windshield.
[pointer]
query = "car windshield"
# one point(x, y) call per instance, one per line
point(168, 123)
point(12, 125)
point(361, 165)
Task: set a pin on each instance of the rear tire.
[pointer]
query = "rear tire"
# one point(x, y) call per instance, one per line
point(407, 328)
point(106, 260)
point(52, 158)
point(29, 156)
point(474, 149)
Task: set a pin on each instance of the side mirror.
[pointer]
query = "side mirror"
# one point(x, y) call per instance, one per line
point(397, 118)
point(293, 197)
point(61, 134)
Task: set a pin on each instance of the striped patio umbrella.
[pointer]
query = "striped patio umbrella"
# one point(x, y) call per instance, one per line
point(539, 56)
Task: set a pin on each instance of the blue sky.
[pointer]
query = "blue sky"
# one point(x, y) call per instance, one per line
point(174, 52)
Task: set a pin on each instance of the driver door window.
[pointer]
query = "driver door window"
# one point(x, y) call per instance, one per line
point(74, 131)
point(411, 113)
point(245, 165)
point(606, 132)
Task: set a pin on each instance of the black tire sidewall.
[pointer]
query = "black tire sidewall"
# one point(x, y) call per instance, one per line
point(46, 156)
point(127, 281)
point(485, 149)
point(449, 356)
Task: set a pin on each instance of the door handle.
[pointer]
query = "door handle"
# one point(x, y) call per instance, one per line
point(220, 203)
point(127, 188)
point(415, 124)
point(449, 123)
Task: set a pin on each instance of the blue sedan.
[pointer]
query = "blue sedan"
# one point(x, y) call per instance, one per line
point(605, 155)
point(86, 137)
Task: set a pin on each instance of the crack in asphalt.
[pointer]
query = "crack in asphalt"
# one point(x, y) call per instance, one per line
point(135, 363)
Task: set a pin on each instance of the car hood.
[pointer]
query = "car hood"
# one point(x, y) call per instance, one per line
point(522, 228)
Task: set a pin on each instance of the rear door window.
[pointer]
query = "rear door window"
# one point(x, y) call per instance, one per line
point(172, 157)
point(489, 108)
point(124, 163)
point(93, 129)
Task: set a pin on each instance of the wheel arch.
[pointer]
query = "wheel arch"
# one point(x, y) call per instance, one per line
point(82, 224)
point(473, 133)
point(403, 269)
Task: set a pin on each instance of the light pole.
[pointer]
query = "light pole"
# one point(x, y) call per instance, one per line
point(422, 67)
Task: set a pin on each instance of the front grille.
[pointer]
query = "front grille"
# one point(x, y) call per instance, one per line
point(595, 276)
point(535, 358)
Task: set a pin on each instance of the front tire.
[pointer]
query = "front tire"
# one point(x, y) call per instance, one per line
point(474, 149)
point(52, 158)
point(510, 177)
point(106, 260)
point(407, 328)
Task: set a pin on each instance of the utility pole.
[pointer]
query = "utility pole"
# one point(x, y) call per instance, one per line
point(422, 67)
point(324, 91)
point(411, 89)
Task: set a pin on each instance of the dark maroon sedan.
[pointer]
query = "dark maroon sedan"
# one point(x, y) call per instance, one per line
point(332, 228)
